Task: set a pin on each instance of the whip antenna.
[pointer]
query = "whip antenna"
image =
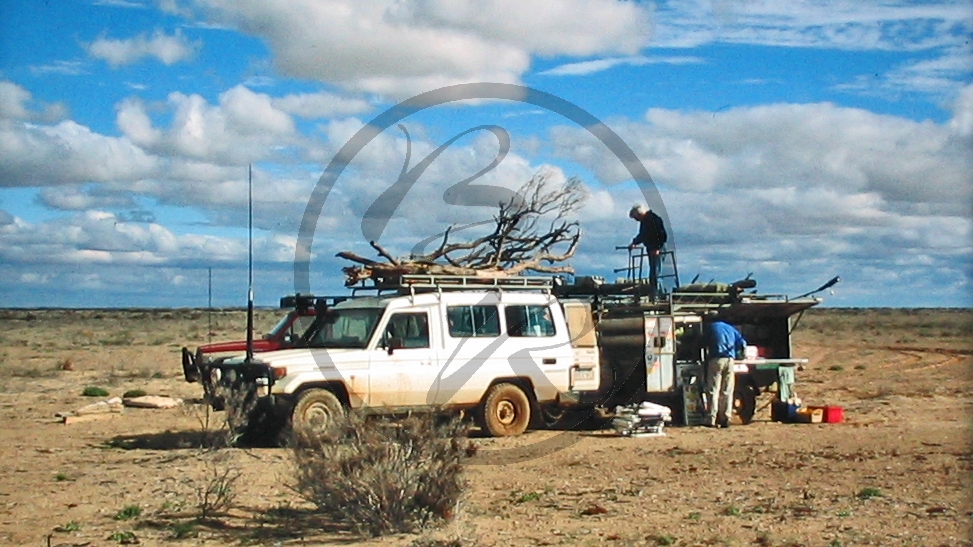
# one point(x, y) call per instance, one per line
point(250, 262)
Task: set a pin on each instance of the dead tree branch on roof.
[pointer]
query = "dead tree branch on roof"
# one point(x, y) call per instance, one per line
point(533, 231)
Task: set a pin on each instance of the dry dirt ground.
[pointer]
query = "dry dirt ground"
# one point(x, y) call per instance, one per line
point(896, 472)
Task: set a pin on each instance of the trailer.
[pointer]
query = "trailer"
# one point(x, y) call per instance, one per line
point(650, 346)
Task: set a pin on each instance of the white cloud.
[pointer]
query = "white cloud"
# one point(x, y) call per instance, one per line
point(13, 99)
point(909, 164)
point(401, 48)
point(104, 238)
point(962, 121)
point(244, 127)
point(321, 105)
point(796, 192)
point(66, 68)
point(70, 198)
point(845, 24)
point(120, 3)
point(16, 103)
point(542, 27)
point(585, 68)
point(938, 31)
point(37, 155)
point(167, 49)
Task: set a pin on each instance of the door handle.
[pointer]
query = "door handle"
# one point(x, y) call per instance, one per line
point(549, 361)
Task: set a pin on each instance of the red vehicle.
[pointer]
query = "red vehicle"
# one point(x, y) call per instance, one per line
point(287, 333)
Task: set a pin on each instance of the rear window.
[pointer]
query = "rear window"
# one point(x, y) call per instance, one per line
point(473, 321)
point(529, 321)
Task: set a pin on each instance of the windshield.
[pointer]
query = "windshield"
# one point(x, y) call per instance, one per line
point(282, 324)
point(349, 328)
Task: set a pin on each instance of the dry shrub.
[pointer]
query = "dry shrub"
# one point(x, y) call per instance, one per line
point(381, 476)
point(215, 491)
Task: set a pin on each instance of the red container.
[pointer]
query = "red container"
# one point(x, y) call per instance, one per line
point(833, 414)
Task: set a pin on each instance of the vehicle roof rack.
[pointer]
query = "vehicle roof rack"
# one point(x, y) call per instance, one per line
point(431, 282)
point(305, 301)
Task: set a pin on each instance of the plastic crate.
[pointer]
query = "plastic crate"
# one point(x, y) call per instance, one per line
point(782, 411)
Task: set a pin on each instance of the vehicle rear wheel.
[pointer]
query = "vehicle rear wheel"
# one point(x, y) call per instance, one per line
point(506, 410)
point(316, 410)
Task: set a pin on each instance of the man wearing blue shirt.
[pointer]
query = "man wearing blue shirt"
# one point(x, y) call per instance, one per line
point(723, 344)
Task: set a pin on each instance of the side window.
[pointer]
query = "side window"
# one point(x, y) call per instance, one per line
point(529, 321)
point(473, 321)
point(411, 328)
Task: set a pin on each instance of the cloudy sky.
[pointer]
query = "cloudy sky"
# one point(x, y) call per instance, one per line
point(793, 140)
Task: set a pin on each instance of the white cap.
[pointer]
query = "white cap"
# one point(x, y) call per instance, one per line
point(637, 210)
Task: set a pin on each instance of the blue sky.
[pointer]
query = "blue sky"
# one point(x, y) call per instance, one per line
point(793, 140)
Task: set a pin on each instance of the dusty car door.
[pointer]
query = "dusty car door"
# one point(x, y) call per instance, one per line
point(404, 364)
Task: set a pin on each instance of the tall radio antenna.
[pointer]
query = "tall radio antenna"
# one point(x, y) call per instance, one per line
point(250, 262)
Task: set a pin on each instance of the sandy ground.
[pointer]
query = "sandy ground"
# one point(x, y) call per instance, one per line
point(896, 472)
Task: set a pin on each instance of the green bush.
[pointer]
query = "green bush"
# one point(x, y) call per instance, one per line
point(134, 393)
point(94, 391)
point(72, 526)
point(128, 512)
point(183, 529)
point(526, 497)
point(127, 537)
point(379, 476)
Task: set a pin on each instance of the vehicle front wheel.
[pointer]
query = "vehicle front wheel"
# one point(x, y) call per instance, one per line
point(506, 410)
point(316, 410)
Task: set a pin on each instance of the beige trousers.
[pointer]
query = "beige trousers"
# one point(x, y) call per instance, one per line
point(719, 389)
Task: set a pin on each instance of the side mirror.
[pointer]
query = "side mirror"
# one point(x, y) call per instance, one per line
point(394, 344)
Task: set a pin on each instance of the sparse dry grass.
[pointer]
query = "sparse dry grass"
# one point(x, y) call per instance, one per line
point(940, 327)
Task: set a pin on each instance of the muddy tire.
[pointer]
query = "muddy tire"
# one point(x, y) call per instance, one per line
point(506, 411)
point(316, 410)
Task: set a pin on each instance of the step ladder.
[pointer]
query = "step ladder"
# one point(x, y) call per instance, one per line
point(637, 270)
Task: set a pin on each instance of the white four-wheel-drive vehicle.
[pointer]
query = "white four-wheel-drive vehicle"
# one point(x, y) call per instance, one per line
point(507, 351)
point(498, 348)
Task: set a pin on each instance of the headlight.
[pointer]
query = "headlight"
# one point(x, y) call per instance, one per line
point(279, 372)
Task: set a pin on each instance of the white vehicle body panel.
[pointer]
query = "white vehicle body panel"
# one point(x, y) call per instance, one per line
point(453, 370)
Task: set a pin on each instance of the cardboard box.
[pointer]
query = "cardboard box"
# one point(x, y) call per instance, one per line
point(809, 415)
